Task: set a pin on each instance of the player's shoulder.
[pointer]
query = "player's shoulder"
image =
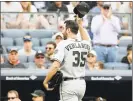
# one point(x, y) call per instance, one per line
point(62, 43)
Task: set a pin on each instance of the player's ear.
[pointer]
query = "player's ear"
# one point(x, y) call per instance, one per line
point(68, 30)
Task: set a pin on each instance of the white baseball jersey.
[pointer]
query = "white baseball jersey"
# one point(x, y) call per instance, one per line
point(72, 56)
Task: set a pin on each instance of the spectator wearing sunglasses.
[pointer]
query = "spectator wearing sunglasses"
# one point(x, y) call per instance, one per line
point(13, 95)
point(92, 63)
point(105, 28)
point(39, 61)
point(50, 48)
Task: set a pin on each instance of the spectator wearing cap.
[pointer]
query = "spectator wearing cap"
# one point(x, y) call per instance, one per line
point(92, 63)
point(27, 49)
point(105, 28)
point(58, 37)
point(38, 95)
point(13, 60)
point(57, 6)
point(50, 48)
point(128, 58)
point(39, 61)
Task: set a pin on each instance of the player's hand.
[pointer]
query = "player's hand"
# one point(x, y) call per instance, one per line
point(79, 20)
point(47, 88)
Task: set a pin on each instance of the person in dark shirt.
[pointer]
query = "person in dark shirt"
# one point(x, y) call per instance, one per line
point(128, 58)
point(57, 6)
point(13, 60)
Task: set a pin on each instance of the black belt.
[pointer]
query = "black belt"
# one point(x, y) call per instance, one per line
point(66, 78)
point(104, 45)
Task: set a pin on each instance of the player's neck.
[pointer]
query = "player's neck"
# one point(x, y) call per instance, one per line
point(72, 37)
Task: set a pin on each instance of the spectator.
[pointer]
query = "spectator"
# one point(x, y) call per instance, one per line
point(1, 59)
point(10, 20)
point(39, 61)
point(114, 5)
point(50, 48)
point(57, 6)
point(100, 99)
point(38, 95)
point(27, 6)
point(92, 64)
point(13, 95)
point(72, 5)
point(25, 18)
point(126, 7)
point(40, 5)
point(27, 49)
point(13, 60)
point(99, 65)
point(128, 58)
point(105, 28)
point(58, 37)
point(97, 8)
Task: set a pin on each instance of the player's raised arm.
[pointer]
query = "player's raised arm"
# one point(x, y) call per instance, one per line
point(83, 33)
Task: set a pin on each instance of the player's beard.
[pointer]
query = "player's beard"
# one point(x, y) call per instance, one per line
point(65, 35)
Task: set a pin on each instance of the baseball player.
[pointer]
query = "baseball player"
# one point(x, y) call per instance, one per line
point(70, 56)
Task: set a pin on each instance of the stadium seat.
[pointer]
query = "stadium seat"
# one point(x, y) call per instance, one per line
point(7, 42)
point(9, 47)
point(116, 66)
point(37, 48)
point(23, 58)
point(36, 42)
point(119, 57)
point(41, 33)
point(122, 50)
point(19, 41)
point(124, 41)
point(44, 41)
point(13, 33)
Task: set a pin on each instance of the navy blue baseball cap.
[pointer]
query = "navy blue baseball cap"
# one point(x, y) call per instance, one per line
point(39, 53)
point(27, 38)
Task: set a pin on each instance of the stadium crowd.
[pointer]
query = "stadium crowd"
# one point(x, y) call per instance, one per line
point(32, 30)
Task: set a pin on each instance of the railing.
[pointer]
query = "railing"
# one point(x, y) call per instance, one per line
point(34, 74)
point(54, 19)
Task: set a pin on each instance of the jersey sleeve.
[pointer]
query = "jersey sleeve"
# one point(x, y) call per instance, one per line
point(59, 52)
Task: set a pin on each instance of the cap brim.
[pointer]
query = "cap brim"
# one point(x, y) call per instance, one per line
point(27, 40)
point(40, 54)
point(33, 94)
point(14, 51)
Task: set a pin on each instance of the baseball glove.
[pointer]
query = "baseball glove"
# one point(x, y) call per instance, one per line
point(56, 80)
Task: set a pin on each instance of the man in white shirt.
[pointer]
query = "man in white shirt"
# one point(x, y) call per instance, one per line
point(10, 19)
point(27, 49)
point(105, 28)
